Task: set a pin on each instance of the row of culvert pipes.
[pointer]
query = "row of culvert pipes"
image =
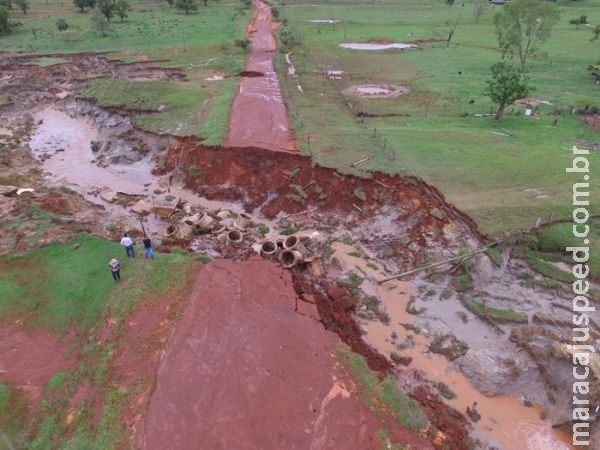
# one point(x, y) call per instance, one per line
point(231, 227)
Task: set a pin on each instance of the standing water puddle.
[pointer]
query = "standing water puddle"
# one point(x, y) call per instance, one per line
point(505, 422)
point(63, 144)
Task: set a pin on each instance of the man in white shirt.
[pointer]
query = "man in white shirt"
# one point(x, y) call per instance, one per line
point(128, 244)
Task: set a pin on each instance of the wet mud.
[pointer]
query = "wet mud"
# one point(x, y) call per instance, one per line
point(259, 117)
point(391, 223)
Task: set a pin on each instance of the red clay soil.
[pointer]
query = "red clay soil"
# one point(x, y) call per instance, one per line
point(245, 369)
point(269, 182)
point(29, 359)
point(259, 118)
point(334, 305)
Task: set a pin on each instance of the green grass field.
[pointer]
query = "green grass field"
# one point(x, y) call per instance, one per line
point(73, 287)
point(504, 174)
point(438, 131)
point(504, 182)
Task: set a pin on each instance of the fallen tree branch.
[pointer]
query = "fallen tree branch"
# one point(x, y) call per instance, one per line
point(431, 266)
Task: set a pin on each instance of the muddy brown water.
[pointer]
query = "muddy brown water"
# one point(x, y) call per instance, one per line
point(63, 145)
point(505, 421)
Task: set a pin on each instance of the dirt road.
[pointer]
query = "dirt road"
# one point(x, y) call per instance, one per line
point(246, 370)
point(259, 117)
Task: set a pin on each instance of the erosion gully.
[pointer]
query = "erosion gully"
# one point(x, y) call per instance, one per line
point(61, 141)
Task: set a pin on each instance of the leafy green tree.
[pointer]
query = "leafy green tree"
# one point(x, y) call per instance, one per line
point(122, 7)
point(6, 3)
point(506, 85)
point(107, 8)
point(82, 4)
point(522, 25)
point(23, 5)
point(62, 25)
point(99, 22)
point(581, 20)
point(186, 6)
point(596, 33)
point(479, 8)
point(4, 23)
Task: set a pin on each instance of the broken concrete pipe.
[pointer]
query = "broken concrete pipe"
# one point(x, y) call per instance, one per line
point(192, 219)
point(170, 231)
point(291, 258)
point(224, 214)
point(185, 229)
point(205, 221)
point(268, 249)
point(293, 243)
point(234, 237)
point(242, 222)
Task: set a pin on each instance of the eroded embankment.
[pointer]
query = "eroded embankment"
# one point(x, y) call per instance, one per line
point(274, 184)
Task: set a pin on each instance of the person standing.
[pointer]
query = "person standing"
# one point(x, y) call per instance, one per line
point(127, 242)
point(148, 250)
point(115, 269)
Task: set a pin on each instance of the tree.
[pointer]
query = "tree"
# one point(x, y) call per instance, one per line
point(100, 22)
point(23, 5)
point(451, 29)
point(506, 85)
point(107, 8)
point(596, 33)
point(581, 20)
point(62, 25)
point(82, 4)
point(522, 25)
point(187, 6)
point(479, 9)
point(4, 22)
point(121, 8)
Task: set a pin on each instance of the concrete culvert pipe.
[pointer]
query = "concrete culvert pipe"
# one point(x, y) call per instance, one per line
point(185, 230)
point(224, 214)
point(170, 231)
point(242, 222)
point(205, 221)
point(268, 249)
point(193, 219)
point(293, 243)
point(234, 237)
point(291, 258)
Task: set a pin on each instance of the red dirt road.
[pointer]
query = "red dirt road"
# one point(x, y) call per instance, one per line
point(259, 117)
point(244, 370)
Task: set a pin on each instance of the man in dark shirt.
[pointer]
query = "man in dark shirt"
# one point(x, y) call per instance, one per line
point(148, 250)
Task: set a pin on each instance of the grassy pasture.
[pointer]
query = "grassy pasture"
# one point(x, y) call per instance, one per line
point(73, 288)
point(504, 182)
point(201, 44)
